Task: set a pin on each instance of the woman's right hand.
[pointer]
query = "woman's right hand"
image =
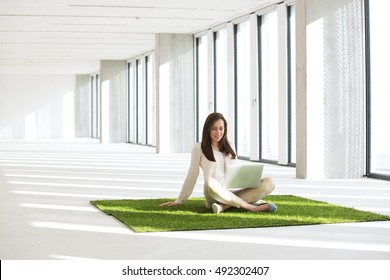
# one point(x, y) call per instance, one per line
point(170, 203)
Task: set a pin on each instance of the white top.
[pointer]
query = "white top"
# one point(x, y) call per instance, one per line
point(210, 169)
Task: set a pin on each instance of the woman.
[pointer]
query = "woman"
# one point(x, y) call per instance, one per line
point(213, 154)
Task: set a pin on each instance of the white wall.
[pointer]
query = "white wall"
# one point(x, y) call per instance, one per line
point(37, 106)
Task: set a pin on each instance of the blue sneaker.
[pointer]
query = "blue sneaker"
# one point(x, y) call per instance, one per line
point(272, 207)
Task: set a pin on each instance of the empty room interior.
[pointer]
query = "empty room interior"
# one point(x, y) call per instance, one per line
point(105, 99)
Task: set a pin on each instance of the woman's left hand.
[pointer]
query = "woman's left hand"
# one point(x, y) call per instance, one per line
point(170, 203)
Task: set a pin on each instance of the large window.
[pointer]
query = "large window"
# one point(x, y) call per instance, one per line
point(221, 74)
point(269, 86)
point(141, 101)
point(202, 83)
point(379, 89)
point(132, 101)
point(151, 102)
point(246, 83)
point(291, 84)
point(95, 106)
point(141, 104)
point(242, 90)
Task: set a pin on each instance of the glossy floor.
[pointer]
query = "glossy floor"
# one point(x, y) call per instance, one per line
point(45, 189)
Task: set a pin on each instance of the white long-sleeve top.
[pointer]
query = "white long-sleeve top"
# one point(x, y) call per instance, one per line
point(210, 169)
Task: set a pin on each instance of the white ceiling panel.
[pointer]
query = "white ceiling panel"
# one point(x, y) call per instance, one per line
point(72, 36)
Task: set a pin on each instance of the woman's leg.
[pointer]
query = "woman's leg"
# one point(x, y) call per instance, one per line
point(218, 192)
point(228, 199)
point(251, 195)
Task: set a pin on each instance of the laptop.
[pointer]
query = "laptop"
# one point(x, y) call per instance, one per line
point(244, 175)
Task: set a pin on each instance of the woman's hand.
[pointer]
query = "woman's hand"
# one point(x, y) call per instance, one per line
point(170, 203)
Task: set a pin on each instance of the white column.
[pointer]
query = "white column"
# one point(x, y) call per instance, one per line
point(175, 92)
point(113, 79)
point(330, 89)
point(301, 102)
point(310, 94)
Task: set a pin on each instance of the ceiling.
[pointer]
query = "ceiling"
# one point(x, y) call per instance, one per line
point(72, 36)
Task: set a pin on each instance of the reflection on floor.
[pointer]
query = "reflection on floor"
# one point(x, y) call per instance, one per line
point(45, 189)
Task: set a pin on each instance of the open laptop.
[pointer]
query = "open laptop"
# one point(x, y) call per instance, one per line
point(244, 175)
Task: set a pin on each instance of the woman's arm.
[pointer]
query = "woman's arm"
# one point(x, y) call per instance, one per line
point(190, 181)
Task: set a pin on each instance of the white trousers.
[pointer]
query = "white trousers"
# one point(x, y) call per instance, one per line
point(216, 192)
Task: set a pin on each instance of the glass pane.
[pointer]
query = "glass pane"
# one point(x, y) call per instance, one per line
point(269, 86)
point(292, 87)
point(202, 85)
point(132, 104)
point(151, 100)
point(221, 73)
point(98, 119)
point(93, 107)
point(243, 88)
point(380, 88)
point(141, 106)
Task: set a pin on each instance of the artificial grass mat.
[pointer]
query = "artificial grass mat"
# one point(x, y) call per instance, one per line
point(145, 215)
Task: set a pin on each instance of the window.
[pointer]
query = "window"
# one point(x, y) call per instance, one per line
point(141, 103)
point(221, 74)
point(132, 101)
point(269, 90)
point(201, 83)
point(95, 106)
point(242, 90)
point(379, 90)
point(251, 93)
point(151, 102)
point(291, 84)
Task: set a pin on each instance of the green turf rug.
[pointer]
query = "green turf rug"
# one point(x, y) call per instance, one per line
point(145, 215)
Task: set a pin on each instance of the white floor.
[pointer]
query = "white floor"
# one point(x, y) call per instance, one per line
point(45, 189)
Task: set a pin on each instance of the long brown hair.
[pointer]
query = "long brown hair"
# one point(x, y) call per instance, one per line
point(223, 145)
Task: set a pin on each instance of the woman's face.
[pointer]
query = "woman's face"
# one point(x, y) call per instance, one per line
point(217, 132)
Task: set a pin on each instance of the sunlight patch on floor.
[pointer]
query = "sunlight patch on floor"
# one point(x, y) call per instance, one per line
point(275, 241)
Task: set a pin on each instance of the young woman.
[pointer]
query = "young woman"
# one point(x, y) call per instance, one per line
point(213, 154)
